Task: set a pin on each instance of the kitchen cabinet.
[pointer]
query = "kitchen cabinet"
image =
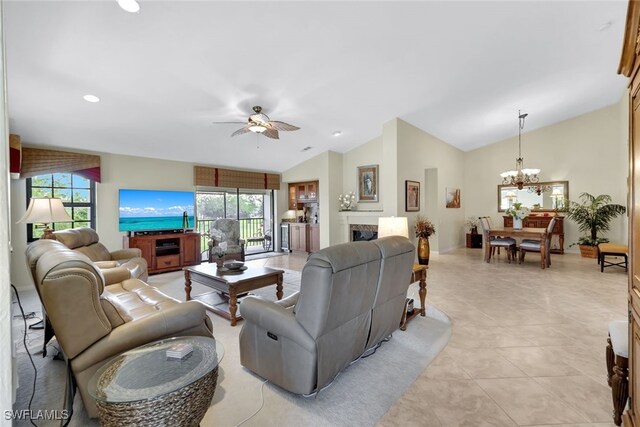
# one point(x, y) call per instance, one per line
point(314, 237)
point(298, 236)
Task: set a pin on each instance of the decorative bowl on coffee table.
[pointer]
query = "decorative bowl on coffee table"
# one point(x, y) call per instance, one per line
point(233, 265)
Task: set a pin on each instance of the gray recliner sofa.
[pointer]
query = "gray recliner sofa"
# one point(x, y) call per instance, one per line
point(351, 298)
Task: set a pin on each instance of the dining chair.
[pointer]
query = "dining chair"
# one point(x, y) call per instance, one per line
point(530, 245)
point(497, 242)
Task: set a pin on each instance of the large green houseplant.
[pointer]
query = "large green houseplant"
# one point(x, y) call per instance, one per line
point(593, 215)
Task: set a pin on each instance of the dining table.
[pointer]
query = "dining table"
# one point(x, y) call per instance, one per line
point(523, 233)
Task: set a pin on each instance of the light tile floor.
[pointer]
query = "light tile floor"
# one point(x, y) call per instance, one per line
point(527, 345)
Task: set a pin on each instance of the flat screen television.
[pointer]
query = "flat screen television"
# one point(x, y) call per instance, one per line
point(148, 210)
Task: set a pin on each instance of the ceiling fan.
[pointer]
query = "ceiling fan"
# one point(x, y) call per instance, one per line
point(260, 123)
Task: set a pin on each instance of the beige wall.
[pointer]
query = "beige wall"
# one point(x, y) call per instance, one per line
point(423, 157)
point(589, 151)
point(369, 153)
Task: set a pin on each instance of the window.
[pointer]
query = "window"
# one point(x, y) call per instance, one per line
point(77, 193)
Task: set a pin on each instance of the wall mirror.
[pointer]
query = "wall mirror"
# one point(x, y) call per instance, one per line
point(543, 196)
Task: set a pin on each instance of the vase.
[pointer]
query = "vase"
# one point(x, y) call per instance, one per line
point(220, 262)
point(517, 224)
point(423, 250)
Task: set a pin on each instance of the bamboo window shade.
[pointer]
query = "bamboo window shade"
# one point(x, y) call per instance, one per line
point(37, 161)
point(228, 178)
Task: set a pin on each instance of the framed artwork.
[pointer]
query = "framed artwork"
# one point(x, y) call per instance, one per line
point(411, 196)
point(367, 183)
point(453, 197)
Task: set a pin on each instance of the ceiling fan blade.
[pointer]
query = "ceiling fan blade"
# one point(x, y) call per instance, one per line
point(271, 133)
point(278, 125)
point(241, 131)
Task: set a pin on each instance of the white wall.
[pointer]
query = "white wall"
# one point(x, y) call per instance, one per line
point(418, 153)
point(6, 375)
point(589, 151)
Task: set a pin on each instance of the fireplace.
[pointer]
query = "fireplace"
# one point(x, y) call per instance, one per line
point(358, 232)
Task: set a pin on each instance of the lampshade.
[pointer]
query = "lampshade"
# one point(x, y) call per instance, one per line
point(45, 210)
point(393, 226)
point(556, 192)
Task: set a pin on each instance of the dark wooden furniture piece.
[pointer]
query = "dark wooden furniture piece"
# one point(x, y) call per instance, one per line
point(228, 286)
point(542, 221)
point(525, 232)
point(419, 273)
point(617, 354)
point(168, 252)
point(629, 66)
point(301, 193)
point(474, 240)
point(614, 250)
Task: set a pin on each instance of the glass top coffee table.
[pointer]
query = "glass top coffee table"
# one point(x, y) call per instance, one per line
point(229, 285)
point(142, 387)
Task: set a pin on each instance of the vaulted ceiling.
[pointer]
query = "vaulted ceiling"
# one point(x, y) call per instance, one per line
point(458, 70)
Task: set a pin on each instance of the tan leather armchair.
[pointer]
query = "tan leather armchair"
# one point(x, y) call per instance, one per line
point(351, 297)
point(115, 264)
point(94, 322)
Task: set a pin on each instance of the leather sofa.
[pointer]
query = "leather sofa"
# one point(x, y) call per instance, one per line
point(351, 298)
point(93, 322)
point(113, 264)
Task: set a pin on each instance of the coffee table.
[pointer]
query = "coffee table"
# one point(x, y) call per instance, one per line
point(230, 284)
point(142, 387)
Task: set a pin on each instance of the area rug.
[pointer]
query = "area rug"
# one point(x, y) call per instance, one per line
point(359, 396)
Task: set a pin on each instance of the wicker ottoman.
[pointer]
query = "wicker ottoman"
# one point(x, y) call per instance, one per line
point(142, 387)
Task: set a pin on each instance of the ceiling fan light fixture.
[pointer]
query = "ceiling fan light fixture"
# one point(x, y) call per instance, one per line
point(130, 6)
point(257, 128)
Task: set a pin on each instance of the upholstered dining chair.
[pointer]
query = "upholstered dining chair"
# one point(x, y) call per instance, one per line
point(497, 242)
point(529, 245)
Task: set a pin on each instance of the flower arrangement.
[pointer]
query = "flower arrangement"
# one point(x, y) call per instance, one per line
point(472, 222)
point(220, 249)
point(424, 227)
point(517, 211)
point(348, 201)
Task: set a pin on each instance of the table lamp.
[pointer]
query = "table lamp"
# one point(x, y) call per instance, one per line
point(556, 194)
point(45, 211)
point(393, 226)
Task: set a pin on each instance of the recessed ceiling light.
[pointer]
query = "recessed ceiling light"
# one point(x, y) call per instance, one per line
point(337, 133)
point(605, 26)
point(129, 5)
point(91, 98)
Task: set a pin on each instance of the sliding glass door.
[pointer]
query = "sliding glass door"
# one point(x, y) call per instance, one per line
point(252, 208)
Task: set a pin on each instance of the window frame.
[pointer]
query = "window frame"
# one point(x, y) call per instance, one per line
point(91, 204)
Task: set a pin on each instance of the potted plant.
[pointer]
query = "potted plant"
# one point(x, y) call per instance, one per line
point(423, 228)
point(593, 216)
point(518, 212)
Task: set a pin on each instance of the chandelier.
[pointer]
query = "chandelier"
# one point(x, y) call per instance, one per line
point(539, 189)
point(521, 176)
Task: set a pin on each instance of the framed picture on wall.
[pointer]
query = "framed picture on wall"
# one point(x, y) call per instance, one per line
point(453, 197)
point(367, 183)
point(411, 196)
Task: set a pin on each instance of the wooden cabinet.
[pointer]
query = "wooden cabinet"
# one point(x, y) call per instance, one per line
point(629, 65)
point(314, 237)
point(168, 252)
point(541, 221)
point(298, 236)
point(302, 192)
point(474, 240)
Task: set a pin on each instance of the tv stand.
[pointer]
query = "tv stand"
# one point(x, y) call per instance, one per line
point(168, 252)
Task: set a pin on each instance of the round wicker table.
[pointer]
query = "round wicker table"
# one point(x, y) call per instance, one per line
point(142, 387)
